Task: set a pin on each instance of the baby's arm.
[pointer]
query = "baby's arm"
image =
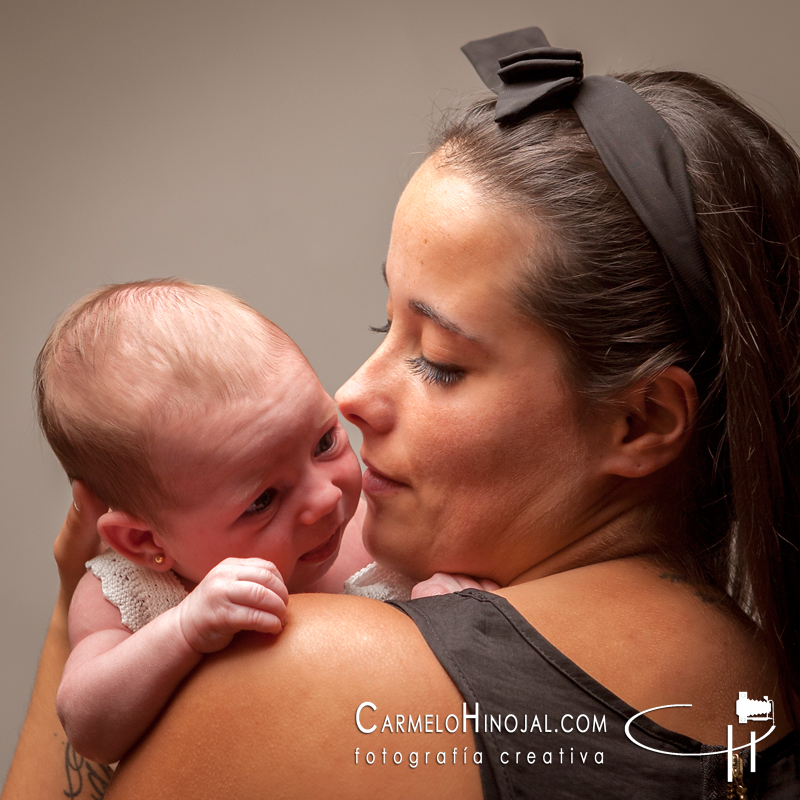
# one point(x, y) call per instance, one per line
point(115, 683)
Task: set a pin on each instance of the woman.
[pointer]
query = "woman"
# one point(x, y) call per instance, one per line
point(604, 427)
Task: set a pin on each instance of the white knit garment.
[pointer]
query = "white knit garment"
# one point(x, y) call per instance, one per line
point(140, 594)
point(379, 583)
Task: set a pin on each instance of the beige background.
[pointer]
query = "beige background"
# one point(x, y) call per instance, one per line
point(259, 146)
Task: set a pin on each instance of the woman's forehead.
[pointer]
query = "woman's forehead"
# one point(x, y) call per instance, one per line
point(451, 248)
point(436, 196)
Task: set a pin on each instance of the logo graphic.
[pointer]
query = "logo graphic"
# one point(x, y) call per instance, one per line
point(747, 710)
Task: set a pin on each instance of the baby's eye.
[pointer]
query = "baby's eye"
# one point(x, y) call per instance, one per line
point(261, 503)
point(327, 442)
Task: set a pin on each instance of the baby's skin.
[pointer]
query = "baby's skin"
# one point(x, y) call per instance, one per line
point(268, 492)
point(264, 502)
point(116, 682)
point(238, 554)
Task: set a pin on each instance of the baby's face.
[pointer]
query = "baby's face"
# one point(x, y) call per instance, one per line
point(273, 478)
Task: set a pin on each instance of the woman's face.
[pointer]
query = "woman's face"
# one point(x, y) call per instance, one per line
point(476, 461)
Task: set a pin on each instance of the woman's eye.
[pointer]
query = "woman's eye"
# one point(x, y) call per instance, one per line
point(261, 503)
point(437, 374)
point(383, 328)
point(327, 442)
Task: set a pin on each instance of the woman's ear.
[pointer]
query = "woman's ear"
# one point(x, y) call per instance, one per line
point(135, 539)
point(652, 424)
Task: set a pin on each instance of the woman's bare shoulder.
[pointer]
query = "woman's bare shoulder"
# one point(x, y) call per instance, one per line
point(292, 714)
point(654, 637)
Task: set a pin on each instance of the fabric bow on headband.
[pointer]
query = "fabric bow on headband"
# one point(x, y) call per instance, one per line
point(535, 75)
point(636, 146)
point(530, 71)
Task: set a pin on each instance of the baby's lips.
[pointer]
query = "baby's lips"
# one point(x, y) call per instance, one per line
point(324, 550)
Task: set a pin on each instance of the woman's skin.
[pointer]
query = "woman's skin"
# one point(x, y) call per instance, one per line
point(481, 462)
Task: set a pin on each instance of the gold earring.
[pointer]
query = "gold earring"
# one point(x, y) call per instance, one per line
point(158, 558)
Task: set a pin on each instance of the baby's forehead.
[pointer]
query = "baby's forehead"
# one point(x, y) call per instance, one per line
point(256, 435)
point(270, 385)
point(151, 364)
point(229, 350)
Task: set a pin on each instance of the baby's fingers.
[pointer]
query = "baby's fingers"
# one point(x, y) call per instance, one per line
point(258, 597)
point(257, 570)
point(445, 583)
point(243, 617)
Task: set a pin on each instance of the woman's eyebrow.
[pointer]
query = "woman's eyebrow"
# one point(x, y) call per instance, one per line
point(442, 321)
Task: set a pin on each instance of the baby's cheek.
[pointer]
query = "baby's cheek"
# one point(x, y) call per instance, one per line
point(287, 565)
point(351, 486)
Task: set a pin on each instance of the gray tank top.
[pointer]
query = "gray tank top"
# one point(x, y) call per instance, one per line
point(547, 729)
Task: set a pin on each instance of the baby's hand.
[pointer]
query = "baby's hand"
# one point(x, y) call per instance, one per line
point(444, 583)
point(239, 594)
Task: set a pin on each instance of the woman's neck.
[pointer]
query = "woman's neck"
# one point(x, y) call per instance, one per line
point(627, 530)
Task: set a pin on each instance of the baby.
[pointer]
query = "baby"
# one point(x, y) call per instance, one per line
point(229, 481)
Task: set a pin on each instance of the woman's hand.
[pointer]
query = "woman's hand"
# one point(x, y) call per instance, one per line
point(78, 540)
point(445, 583)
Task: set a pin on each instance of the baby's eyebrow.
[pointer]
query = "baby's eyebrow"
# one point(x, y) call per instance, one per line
point(331, 415)
point(440, 319)
point(248, 492)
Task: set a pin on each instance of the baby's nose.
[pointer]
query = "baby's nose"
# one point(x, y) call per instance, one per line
point(320, 502)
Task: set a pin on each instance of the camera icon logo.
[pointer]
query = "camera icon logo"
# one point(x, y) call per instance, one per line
point(754, 710)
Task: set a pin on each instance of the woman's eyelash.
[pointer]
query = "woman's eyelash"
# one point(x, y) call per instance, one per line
point(437, 374)
point(383, 328)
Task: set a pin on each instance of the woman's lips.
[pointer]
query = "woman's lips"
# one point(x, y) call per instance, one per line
point(374, 482)
point(325, 550)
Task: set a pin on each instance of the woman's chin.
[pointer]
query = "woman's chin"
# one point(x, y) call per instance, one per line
point(392, 551)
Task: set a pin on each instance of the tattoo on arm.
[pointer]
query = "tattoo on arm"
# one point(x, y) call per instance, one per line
point(80, 772)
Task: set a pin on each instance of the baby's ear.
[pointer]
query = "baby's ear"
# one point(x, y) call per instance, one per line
point(134, 539)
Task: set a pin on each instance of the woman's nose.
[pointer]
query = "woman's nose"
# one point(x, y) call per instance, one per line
point(320, 500)
point(364, 399)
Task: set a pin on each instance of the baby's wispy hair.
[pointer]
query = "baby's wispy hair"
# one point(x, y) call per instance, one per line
point(127, 362)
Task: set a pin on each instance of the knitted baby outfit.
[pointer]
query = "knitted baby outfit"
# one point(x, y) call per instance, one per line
point(140, 594)
point(379, 583)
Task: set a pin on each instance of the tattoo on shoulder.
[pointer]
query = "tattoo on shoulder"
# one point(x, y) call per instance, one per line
point(673, 577)
point(708, 594)
point(84, 774)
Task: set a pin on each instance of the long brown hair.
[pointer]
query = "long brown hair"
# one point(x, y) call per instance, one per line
point(601, 285)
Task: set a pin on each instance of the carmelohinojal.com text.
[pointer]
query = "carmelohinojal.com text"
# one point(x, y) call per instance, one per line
point(369, 721)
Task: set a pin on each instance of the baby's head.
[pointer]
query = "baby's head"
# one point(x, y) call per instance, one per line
point(203, 428)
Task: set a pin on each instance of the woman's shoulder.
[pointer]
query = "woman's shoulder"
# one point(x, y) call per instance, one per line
point(654, 637)
point(306, 706)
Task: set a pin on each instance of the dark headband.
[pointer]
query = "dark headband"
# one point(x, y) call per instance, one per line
point(635, 144)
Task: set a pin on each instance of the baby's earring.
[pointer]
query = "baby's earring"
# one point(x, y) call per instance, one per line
point(158, 558)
